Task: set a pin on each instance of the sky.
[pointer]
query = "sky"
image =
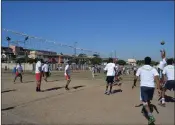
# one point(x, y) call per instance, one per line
point(132, 29)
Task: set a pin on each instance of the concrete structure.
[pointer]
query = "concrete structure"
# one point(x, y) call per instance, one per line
point(17, 50)
point(42, 54)
point(26, 66)
point(6, 54)
point(64, 58)
point(131, 62)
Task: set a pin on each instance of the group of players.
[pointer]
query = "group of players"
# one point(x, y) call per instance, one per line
point(164, 79)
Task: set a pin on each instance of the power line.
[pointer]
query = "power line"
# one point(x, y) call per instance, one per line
point(49, 41)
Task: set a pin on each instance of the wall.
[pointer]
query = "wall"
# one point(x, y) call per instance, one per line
point(29, 67)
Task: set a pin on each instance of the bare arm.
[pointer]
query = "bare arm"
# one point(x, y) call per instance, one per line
point(163, 54)
point(156, 78)
point(164, 78)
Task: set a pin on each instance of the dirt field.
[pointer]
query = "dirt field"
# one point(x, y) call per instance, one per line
point(85, 103)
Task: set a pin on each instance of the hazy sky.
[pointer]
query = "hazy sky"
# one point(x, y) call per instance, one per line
point(133, 29)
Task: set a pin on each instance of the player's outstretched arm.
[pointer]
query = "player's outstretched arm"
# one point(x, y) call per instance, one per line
point(163, 54)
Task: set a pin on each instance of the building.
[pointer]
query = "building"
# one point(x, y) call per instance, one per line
point(6, 53)
point(64, 58)
point(131, 62)
point(45, 55)
point(17, 50)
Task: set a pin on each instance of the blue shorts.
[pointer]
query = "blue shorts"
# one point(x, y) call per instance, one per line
point(170, 84)
point(147, 93)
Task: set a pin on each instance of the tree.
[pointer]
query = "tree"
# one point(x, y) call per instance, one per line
point(121, 62)
point(82, 55)
point(96, 60)
point(140, 62)
point(96, 55)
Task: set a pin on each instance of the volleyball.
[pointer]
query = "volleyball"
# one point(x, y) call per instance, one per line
point(162, 43)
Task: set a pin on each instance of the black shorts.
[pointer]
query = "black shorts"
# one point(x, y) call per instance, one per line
point(147, 93)
point(46, 74)
point(110, 79)
point(134, 72)
point(170, 84)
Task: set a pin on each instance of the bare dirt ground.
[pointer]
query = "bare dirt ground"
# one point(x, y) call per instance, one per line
point(85, 102)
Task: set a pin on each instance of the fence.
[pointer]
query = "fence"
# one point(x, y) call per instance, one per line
point(54, 67)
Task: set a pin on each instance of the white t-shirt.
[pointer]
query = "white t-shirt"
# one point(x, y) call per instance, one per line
point(147, 74)
point(38, 66)
point(93, 69)
point(116, 67)
point(169, 71)
point(45, 68)
point(162, 64)
point(19, 68)
point(67, 70)
point(110, 69)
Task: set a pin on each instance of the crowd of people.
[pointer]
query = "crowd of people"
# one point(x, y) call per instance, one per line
point(148, 75)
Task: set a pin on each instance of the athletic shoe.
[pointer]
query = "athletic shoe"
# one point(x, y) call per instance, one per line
point(151, 120)
point(36, 89)
point(106, 92)
point(162, 104)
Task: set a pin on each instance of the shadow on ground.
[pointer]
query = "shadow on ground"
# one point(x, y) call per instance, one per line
point(53, 81)
point(9, 108)
point(28, 81)
point(76, 87)
point(116, 91)
point(168, 99)
point(144, 112)
point(54, 88)
point(11, 90)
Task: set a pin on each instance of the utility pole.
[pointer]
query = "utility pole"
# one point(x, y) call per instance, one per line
point(75, 50)
point(8, 39)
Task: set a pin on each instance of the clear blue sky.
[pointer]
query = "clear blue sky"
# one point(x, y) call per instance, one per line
point(130, 28)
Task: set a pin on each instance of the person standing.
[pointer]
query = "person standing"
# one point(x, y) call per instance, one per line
point(67, 74)
point(110, 69)
point(45, 69)
point(147, 75)
point(93, 71)
point(38, 75)
point(168, 79)
point(19, 71)
point(161, 65)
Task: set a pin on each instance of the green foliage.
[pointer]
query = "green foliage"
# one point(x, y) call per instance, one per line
point(96, 60)
point(142, 62)
point(121, 62)
point(82, 55)
point(153, 63)
point(96, 55)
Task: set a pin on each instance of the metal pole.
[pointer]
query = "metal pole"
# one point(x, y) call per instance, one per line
point(75, 51)
point(8, 52)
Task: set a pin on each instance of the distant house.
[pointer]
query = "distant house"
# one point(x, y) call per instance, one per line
point(131, 62)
